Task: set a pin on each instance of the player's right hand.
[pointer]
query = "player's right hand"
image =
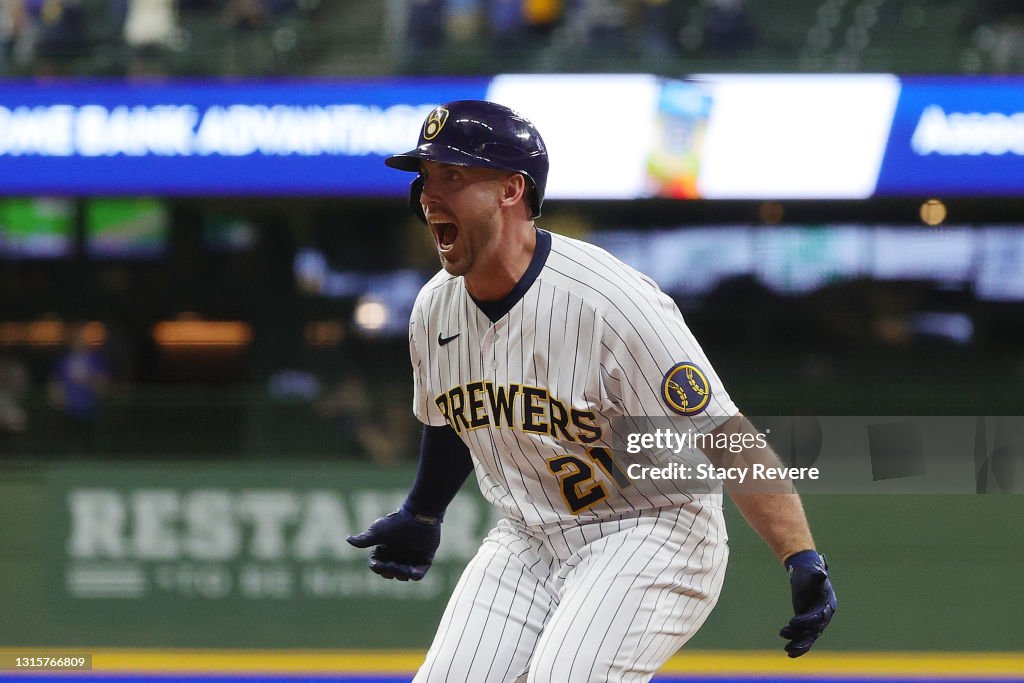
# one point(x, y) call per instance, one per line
point(403, 543)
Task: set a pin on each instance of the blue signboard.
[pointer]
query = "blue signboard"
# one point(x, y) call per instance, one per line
point(948, 136)
point(214, 138)
point(956, 136)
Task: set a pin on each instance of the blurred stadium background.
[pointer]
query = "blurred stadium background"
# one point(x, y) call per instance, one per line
point(249, 395)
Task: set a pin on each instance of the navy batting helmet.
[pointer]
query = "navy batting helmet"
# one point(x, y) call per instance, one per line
point(478, 133)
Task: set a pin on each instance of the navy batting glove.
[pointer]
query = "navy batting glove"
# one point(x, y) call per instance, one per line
point(403, 543)
point(814, 601)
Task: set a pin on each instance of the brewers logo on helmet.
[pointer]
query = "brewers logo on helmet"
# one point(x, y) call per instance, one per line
point(478, 133)
point(434, 123)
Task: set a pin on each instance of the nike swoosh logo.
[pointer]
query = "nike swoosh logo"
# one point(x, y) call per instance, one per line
point(444, 340)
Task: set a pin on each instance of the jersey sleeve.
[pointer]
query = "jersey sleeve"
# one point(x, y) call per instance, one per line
point(652, 365)
point(423, 406)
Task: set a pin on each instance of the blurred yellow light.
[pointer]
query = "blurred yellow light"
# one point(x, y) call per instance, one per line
point(44, 333)
point(933, 212)
point(48, 333)
point(202, 333)
point(95, 333)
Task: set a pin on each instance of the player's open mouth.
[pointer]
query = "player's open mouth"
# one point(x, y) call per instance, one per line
point(445, 234)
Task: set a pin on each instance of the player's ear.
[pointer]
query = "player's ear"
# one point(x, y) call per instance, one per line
point(513, 189)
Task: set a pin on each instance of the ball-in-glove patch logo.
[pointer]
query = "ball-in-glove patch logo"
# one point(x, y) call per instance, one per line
point(686, 389)
point(434, 123)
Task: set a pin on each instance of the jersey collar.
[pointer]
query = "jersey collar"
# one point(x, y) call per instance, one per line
point(496, 310)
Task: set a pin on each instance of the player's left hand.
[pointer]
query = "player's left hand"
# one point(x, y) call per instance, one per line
point(814, 601)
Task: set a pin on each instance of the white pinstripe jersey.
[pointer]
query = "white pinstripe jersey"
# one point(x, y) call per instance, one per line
point(532, 394)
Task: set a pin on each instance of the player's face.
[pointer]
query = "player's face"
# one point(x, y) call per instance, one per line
point(462, 206)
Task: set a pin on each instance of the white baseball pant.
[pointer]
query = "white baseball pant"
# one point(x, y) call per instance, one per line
point(604, 601)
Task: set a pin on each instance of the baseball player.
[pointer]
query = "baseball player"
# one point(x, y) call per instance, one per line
point(526, 347)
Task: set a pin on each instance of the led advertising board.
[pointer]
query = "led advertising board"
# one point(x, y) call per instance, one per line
point(623, 136)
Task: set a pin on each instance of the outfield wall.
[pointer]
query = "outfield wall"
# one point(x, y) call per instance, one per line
point(252, 555)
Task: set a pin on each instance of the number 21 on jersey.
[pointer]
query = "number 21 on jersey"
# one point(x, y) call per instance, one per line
point(579, 488)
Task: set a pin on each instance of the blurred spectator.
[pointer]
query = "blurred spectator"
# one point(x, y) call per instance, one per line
point(25, 33)
point(518, 25)
point(424, 33)
point(79, 379)
point(657, 28)
point(150, 23)
point(9, 18)
point(245, 14)
point(462, 20)
point(61, 34)
point(511, 26)
point(729, 28)
point(149, 29)
point(505, 20)
point(250, 49)
point(14, 383)
point(1004, 20)
point(604, 24)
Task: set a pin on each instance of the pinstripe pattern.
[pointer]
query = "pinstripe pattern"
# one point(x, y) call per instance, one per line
point(584, 580)
point(606, 601)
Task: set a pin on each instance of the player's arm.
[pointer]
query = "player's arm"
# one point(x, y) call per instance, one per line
point(771, 507)
point(774, 510)
point(404, 542)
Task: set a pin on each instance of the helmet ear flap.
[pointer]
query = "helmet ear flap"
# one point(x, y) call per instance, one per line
point(533, 197)
point(415, 190)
